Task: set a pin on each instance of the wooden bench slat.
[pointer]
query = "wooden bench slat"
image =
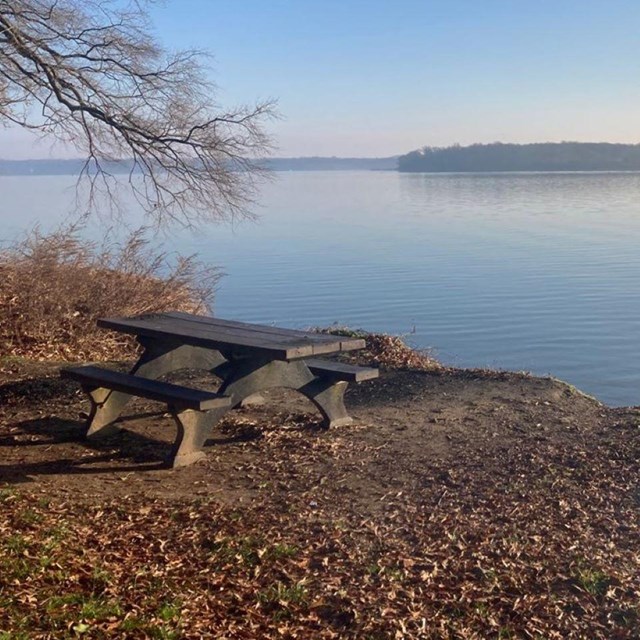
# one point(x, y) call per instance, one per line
point(167, 392)
point(341, 371)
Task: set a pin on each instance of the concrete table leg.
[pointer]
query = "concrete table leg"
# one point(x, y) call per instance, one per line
point(102, 414)
point(328, 396)
point(158, 359)
point(247, 377)
point(194, 428)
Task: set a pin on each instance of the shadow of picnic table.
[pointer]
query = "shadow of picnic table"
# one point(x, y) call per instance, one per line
point(55, 446)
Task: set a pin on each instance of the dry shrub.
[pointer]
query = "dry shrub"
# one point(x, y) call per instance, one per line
point(53, 288)
point(389, 352)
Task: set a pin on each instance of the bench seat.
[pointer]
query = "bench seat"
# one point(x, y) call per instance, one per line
point(194, 410)
point(340, 371)
point(172, 394)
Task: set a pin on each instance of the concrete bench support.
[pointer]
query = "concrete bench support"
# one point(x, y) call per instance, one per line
point(194, 411)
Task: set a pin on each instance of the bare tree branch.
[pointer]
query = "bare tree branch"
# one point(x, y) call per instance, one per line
point(89, 73)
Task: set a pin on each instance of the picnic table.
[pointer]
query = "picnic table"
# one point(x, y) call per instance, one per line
point(247, 358)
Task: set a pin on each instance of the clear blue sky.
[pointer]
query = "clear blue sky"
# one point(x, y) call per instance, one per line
point(381, 77)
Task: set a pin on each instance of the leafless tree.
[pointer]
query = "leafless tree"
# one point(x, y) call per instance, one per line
point(90, 73)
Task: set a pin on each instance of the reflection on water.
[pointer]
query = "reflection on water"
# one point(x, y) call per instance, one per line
point(531, 272)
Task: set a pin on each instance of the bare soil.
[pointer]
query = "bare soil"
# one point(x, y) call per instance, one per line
point(405, 423)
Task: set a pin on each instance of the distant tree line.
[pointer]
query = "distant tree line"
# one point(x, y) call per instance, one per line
point(546, 156)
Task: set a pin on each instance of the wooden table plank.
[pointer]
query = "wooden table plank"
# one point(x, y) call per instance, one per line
point(202, 339)
point(282, 344)
point(236, 330)
point(322, 342)
point(259, 328)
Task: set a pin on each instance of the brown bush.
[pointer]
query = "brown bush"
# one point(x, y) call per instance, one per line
point(386, 351)
point(53, 288)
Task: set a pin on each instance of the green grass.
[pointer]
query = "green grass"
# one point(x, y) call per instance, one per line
point(592, 580)
point(148, 629)
point(245, 549)
point(6, 493)
point(169, 611)
point(280, 551)
point(101, 579)
point(16, 544)
point(14, 635)
point(281, 594)
point(28, 517)
point(95, 608)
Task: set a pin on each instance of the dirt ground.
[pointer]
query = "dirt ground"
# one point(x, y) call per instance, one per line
point(404, 423)
point(460, 504)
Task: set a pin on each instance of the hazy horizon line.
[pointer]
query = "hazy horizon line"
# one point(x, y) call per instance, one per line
point(348, 157)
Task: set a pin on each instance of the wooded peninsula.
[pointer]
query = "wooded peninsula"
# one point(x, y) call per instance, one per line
point(539, 156)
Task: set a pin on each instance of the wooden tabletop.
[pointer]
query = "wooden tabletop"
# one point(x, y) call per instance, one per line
point(214, 333)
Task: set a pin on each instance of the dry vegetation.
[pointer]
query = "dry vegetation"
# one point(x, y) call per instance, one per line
point(386, 351)
point(53, 288)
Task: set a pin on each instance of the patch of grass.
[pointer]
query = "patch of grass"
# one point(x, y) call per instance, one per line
point(6, 493)
point(14, 635)
point(13, 360)
point(162, 633)
point(168, 611)
point(283, 595)
point(280, 551)
point(101, 579)
point(27, 517)
point(95, 608)
point(147, 629)
point(13, 568)
point(61, 602)
point(55, 537)
point(592, 580)
point(16, 544)
point(87, 608)
point(394, 573)
point(133, 623)
point(245, 549)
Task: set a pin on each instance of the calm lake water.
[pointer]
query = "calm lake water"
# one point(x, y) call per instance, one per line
point(536, 272)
